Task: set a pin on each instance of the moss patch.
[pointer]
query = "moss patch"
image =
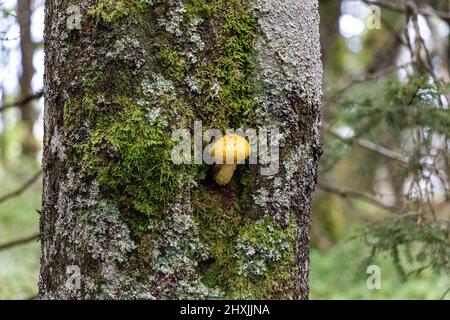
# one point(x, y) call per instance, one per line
point(226, 72)
point(213, 59)
point(249, 259)
point(112, 10)
point(137, 162)
point(264, 260)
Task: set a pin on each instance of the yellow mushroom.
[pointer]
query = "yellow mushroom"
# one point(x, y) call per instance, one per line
point(228, 152)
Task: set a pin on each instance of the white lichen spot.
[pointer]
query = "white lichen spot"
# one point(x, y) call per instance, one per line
point(215, 88)
point(195, 22)
point(192, 57)
point(193, 84)
point(128, 49)
point(261, 197)
point(149, 2)
point(173, 21)
point(56, 145)
point(153, 114)
point(158, 87)
point(197, 40)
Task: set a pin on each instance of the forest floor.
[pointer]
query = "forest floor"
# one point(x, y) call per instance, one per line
point(336, 273)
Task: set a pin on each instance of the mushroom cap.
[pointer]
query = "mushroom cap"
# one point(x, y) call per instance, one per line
point(230, 149)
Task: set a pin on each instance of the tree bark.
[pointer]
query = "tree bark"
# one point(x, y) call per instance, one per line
point(115, 206)
point(27, 49)
point(330, 11)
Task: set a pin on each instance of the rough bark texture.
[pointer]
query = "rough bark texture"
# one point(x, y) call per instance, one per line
point(115, 205)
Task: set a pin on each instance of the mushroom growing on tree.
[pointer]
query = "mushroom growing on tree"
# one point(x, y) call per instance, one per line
point(227, 153)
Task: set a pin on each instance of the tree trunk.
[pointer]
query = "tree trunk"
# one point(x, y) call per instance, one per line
point(330, 12)
point(119, 218)
point(27, 48)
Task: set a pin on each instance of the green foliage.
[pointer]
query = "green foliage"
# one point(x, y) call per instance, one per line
point(19, 266)
point(426, 242)
point(406, 116)
point(403, 106)
point(340, 273)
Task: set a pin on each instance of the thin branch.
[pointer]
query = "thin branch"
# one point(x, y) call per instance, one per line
point(417, 271)
point(357, 195)
point(378, 74)
point(406, 9)
point(364, 78)
point(380, 150)
point(445, 294)
point(23, 102)
point(24, 187)
point(397, 35)
point(18, 242)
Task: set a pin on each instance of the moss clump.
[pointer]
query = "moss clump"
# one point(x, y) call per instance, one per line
point(173, 62)
point(247, 258)
point(217, 219)
point(264, 261)
point(226, 72)
point(112, 10)
point(213, 47)
point(135, 163)
point(77, 112)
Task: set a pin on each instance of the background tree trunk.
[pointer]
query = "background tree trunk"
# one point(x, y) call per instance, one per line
point(116, 208)
point(330, 12)
point(27, 48)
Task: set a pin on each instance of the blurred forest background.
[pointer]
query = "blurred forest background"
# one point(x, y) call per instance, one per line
point(383, 193)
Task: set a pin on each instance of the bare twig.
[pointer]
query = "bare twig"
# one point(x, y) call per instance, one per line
point(445, 294)
point(361, 79)
point(22, 102)
point(357, 195)
point(417, 271)
point(24, 187)
point(404, 9)
point(18, 242)
point(380, 150)
point(367, 77)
